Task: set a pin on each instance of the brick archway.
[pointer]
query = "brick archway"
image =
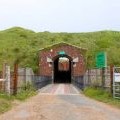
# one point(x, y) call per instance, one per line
point(76, 54)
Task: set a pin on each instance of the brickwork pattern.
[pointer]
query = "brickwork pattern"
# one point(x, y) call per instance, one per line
point(73, 52)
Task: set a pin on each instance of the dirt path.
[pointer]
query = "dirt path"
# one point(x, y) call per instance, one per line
point(53, 103)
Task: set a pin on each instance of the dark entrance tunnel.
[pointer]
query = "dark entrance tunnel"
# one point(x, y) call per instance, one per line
point(62, 70)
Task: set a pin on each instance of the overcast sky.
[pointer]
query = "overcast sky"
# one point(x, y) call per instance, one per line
point(61, 15)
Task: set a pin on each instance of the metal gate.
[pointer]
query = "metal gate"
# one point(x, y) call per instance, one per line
point(116, 82)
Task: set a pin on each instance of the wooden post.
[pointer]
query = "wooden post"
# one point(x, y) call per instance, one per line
point(111, 78)
point(7, 80)
point(3, 70)
point(3, 75)
point(89, 78)
point(15, 79)
point(103, 77)
point(25, 78)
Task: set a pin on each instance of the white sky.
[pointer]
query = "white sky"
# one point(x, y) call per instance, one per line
point(61, 15)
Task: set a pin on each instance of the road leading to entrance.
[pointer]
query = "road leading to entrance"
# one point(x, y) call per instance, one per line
point(59, 89)
point(61, 107)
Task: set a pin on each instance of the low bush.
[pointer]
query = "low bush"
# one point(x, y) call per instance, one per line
point(26, 91)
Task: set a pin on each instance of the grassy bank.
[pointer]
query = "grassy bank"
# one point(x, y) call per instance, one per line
point(6, 100)
point(21, 44)
point(27, 91)
point(101, 95)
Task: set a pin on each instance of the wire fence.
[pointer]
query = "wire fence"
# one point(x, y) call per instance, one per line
point(35, 80)
point(93, 77)
point(116, 82)
point(98, 78)
point(24, 76)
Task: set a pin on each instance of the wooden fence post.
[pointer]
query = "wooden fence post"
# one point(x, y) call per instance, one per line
point(111, 78)
point(103, 77)
point(7, 79)
point(89, 78)
point(25, 77)
point(3, 76)
point(15, 79)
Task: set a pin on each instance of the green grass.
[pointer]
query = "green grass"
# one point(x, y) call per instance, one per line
point(5, 96)
point(23, 45)
point(26, 92)
point(101, 95)
point(5, 105)
point(6, 100)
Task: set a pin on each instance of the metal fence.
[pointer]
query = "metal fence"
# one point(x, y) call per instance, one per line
point(98, 78)
point(93, 77)
point(14, 82)
point(25, 76)
point(34, 80)
point(41, 81)
point(116, 82)
point(78, 81)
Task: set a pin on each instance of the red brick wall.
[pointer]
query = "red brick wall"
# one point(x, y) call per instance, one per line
point(73, 52)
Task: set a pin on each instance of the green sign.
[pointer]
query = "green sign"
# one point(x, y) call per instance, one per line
point(61, 53)
point(101, 60)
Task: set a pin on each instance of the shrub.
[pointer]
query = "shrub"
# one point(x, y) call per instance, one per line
point(27, 90)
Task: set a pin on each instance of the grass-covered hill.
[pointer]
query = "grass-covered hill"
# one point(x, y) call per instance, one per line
point(22, 44)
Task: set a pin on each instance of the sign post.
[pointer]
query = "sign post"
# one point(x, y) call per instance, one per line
point(101, 62)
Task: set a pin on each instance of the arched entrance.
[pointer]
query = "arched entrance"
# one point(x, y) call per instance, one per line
point(62, 69)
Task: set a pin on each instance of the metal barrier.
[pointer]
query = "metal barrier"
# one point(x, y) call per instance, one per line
point(116, 82)
point(35, 80)
point(96, 78)
point(41, 81)
point(78, 82)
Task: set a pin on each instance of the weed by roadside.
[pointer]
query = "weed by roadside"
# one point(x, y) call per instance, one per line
point(101, 95)
point(6, 100)
point(27, 91)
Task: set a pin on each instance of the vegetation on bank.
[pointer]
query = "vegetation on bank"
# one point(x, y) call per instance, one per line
point(7, 100)
point(23, 45)
point(101, 95)
point(27, 91)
